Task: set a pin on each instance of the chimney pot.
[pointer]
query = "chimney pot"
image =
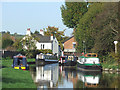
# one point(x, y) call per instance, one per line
point(41, 32)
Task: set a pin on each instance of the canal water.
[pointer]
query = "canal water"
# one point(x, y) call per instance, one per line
point(55, 76)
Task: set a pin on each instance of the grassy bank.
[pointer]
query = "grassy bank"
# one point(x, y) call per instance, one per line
point(110, 63)
point(12, 78)
point(110, 66)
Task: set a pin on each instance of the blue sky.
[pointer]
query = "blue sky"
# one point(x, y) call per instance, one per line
point(18, 16)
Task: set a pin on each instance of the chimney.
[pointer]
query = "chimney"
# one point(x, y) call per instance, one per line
point(51, 37)
point(28, 32)
point(41, 32)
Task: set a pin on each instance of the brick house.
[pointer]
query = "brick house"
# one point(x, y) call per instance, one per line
point(69, 46)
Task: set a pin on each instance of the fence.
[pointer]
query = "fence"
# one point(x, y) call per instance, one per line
point(10, 53)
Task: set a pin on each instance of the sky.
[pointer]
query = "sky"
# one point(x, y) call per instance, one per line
point(18, 16)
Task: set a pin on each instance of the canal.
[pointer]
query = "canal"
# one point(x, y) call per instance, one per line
point(55, 76)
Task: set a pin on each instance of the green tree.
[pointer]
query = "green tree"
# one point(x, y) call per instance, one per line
point(18, 45)
point(72, 12)
point(6, 43)
point(105, 29)
point(36, 32)
point(83, 32)
point(29, 44)
point(58, 34)
point(6, 40)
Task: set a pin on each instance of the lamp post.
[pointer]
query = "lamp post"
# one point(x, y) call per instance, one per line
point(115, 42)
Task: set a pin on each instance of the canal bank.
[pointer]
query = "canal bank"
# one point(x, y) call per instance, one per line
point(12, 78)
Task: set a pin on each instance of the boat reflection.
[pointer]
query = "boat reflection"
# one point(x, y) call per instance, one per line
point(46, 76)
point(55, 76)
point(89, 79)
point(80, 79)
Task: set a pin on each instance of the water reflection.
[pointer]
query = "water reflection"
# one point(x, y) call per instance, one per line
point(46, 75)
point(55, 76)
point(80, 79)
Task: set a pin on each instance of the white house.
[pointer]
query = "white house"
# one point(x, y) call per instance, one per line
point(45, 42)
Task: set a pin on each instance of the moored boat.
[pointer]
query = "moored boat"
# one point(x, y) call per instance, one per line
point(89, 62)
point(20, 62)
point(69, 60)
point(42, 59)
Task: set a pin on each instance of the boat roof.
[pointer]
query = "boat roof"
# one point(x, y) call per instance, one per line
point(88, 55)
point(19, 56)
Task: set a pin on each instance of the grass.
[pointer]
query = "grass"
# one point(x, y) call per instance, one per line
point(12, 78)
point(31, 60)
point(110, 65)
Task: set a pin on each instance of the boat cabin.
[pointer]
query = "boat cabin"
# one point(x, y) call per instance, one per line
point(91, 55)
point(20, 62)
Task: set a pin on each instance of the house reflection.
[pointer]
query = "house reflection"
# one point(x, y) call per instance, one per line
point(46, 76)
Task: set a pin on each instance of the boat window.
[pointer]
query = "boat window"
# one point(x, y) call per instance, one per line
point(63, 58)
point(15, 61)
point(20, 62)
point(70, 57)
point(94, 55)
point(89, 55)
point(24, 61)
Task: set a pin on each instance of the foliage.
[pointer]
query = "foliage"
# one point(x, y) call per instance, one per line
point(6, 43)
point(58, 34)
point(83, 32)
point(36, 32)
point(0, 40)
point(105, 29)
point(6, 40)
point(72, 12)
point(18, 45)
point(28, 44)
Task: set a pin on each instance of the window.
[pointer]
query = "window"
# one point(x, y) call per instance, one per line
point(74, 45)
point(43, 46)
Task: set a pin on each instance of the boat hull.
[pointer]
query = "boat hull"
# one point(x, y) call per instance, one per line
point(84, 67)
point(45, 61)
point(70, 63)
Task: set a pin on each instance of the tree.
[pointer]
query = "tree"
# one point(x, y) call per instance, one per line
point(58, 34)
point(106, 30)
point(83, 32)
point(72, 12)
point(0, 40)
point(28, 44)
point(6, 40)
point(36, 32)
point(18, 45)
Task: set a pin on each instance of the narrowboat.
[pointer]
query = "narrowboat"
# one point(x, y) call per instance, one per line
point(20, 62)
point(89, 62)
point(42, 59)
point(69, 60)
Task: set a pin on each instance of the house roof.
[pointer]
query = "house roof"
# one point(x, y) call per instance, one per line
point(43, 39)
point(68, 39)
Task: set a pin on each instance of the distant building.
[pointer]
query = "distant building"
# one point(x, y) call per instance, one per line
point(45, 42)
point(69, 46)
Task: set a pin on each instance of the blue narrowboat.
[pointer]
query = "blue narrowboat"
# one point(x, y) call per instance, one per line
point(20, 62)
